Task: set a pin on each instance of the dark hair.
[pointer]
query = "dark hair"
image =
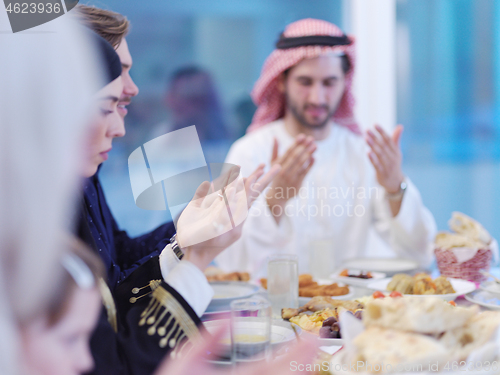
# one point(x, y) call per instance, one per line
point(187, 71)
point(110, 25)
point(346, 64)
point(59, 303)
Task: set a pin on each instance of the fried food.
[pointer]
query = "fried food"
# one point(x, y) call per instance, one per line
point(401, 283)
point(233, 276)
point(305, 280)
point(424, 285)
point(321, 303)
point(443, 285)
point(263, 282)
point(421, 284)
point(310, 288)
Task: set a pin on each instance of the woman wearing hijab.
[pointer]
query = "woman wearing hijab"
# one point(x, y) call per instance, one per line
point(122, 342)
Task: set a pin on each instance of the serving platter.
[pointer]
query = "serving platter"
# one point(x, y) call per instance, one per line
point(355, 281)
point(281, 331)
point(344, 297)
point(461, 287)
point(227, 291)
point(485, 299)
point(390, 266)
point(490, 286)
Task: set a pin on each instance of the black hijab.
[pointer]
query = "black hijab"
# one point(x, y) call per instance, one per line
point(112, 64)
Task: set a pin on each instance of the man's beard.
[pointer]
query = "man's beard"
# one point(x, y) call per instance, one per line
point(301, 118)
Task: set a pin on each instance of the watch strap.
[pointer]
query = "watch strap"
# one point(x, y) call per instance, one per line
point(175, 247)
point(399, 194)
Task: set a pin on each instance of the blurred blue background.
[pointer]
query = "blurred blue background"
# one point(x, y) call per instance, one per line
point(448, 90)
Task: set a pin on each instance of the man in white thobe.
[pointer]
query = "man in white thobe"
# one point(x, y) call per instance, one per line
point(336, 185)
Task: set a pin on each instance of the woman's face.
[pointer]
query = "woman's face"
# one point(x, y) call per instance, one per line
point(106, 125)
point(63, 348)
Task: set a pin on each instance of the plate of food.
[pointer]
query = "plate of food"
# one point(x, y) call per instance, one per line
point(490, 286)
point(310, 287)
point(390, 266)
point(420, 335)
point(485, 299)
point(320, 316)
point(281, 332)
point(227, 291)
point(422, 285)
point(355, 277)
point(216, 274)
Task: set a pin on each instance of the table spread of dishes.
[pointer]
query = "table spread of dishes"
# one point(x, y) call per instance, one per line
point(377, 315)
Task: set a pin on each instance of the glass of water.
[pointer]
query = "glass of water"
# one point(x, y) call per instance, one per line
point(321, 257)
point(283, 282)
point(250, 330)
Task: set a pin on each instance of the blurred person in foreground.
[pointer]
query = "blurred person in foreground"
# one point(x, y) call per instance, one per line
point(56, 341)
point(335, 184)
point(48, 77)
point(50, 300)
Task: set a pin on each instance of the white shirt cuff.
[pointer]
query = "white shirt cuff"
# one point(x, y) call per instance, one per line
point(192, 285)
point(168, 261)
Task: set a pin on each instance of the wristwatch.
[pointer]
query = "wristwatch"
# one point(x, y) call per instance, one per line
point(399, 194)
point(175, 247)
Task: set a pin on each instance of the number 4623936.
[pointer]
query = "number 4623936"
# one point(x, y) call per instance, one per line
point(33, 8)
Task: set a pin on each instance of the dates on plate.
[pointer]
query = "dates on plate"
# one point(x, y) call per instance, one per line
point(327, 332)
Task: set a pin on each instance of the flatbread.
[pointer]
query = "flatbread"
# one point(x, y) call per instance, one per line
point(388, 350)
point(469, 227)
point(430, 315)
point(447, 240)
point(475, 333)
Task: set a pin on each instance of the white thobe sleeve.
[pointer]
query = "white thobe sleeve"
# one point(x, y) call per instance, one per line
point(191, 284)
point(411, 233)
point(261, 235)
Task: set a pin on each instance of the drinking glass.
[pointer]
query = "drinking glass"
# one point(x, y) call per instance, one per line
point(283, 282)
point(321, 257)
point(250, 330)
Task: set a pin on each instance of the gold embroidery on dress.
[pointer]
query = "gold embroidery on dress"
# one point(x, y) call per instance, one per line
point(165, 340)
point(109, 303)
point(162, 304)
point(177, 351)
point(153, 284)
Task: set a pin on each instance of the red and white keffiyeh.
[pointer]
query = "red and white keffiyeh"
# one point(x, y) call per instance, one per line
point(271, 103)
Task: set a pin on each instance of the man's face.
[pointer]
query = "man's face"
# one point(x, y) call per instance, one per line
point(129, 88)
point(313, 89)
